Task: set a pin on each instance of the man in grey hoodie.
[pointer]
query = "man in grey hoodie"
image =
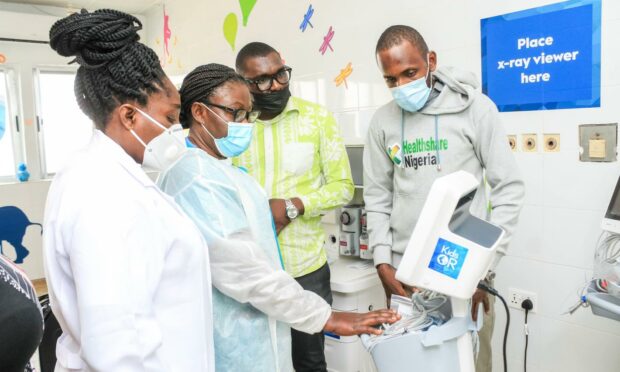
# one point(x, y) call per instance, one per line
point(438, 123)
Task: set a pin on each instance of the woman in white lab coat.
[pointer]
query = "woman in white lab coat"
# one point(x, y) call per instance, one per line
point(128, 272)
point(254, 299)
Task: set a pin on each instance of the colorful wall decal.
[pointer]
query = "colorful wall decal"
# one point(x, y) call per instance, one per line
point(167, 33)
point(13, 224)
point(230, 29)
point(2, 58)
point(326, 41)
point(304, 24)
point(231, 22)
point(344, 74)
point(246, 9)
point(168, 41)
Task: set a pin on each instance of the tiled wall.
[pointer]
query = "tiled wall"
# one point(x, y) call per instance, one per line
point(553, 249)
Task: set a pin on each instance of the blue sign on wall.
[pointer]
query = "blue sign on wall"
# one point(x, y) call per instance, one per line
point(544, 58)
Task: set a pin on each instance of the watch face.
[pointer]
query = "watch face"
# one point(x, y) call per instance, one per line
point(291, 213)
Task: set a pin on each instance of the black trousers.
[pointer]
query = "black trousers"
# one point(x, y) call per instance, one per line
point(309, 350)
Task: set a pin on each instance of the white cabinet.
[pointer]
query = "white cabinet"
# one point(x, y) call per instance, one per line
point(356, 288)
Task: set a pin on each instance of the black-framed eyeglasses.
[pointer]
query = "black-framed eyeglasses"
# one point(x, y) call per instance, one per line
point(238, 114)
point(264, 83)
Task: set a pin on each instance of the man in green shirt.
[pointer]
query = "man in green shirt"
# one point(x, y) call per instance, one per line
point(297, 155)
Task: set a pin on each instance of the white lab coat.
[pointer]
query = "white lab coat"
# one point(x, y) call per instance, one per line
point(127, 270)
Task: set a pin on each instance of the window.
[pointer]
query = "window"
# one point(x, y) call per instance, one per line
point(65, 129)
point(7, 159)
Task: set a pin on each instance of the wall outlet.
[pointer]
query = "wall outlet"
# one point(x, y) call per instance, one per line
point(517, 296)
point(552, 142)
point(512, 142)
point(529, 142)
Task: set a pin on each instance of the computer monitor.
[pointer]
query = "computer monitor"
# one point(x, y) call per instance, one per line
point(611, 222)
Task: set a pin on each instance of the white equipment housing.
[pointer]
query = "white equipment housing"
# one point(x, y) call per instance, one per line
point(449, 252)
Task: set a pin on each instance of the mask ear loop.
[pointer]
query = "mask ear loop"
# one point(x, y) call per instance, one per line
point(428, 65)
point(151, 119)
point(206, 130)
point(139, 139)
point(213, 112)
point(133, 133)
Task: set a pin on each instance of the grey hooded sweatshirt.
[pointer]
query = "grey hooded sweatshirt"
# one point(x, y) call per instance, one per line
point(458, 129)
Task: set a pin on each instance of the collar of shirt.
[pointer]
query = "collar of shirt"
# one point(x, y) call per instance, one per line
point(291, 106)
point(116, 152)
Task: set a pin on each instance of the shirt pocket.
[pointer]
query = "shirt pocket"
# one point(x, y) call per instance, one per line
point(297, 157)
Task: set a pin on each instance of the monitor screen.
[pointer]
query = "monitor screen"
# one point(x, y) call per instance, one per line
point(356, 154)
point(613, 211)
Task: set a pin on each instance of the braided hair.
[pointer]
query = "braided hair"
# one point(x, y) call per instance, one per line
point(201, 84)
point(114, 67)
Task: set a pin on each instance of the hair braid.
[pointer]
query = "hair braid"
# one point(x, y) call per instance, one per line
point(201, 84)
point(114, 67)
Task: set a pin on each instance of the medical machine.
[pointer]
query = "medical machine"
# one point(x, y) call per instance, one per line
point(611, 222)
point(354, 281)
point(448, 254)
point(365, 253)
point(353, 234)
point(355, 153)
point(350, 230)
point(602, 294)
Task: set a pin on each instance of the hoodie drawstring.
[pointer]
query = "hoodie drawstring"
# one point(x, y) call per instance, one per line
point(437, 142)
point(402, 138)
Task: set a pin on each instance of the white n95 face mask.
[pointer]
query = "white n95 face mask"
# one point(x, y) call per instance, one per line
point(165, 149)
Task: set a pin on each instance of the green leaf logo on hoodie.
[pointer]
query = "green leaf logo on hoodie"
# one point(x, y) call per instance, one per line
point(395, 154)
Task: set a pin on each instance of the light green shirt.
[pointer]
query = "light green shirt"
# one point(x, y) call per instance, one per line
point(300, 153)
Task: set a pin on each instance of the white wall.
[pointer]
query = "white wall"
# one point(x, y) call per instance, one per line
point(553, 248)
point(21, 60)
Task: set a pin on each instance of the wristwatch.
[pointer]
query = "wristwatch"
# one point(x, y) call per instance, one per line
point(291, 210)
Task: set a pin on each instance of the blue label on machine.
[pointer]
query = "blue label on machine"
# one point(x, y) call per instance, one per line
point(448, 258)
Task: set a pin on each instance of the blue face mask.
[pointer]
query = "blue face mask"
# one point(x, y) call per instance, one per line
point(236, 141)
point(413, 96)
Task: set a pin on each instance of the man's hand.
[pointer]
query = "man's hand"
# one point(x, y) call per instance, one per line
point(350, 324)
point(278, 210)
point(479, 297)
point(387, 274)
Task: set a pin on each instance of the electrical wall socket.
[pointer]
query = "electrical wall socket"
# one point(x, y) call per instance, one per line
point(552, 142)
point(529, 142)
point(517, 296)
point(512, 142)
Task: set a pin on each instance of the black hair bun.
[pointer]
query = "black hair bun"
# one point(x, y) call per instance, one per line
point(94, 38)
